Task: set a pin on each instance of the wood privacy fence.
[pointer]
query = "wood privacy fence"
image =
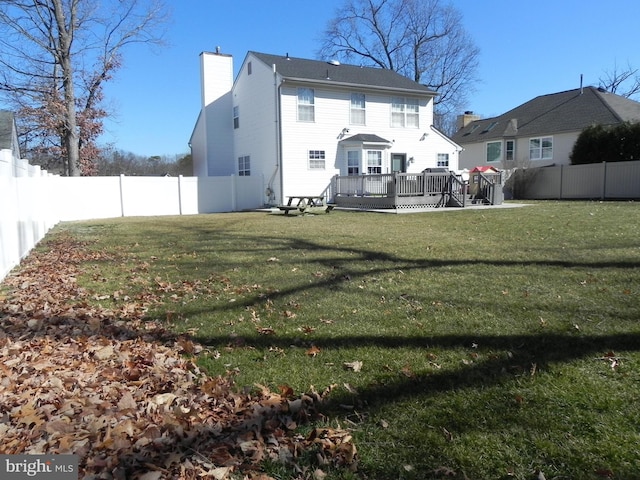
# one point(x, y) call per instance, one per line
point(33, 201)
point(606, 180)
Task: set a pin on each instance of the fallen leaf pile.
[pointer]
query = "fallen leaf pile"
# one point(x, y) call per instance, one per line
point(120, 392)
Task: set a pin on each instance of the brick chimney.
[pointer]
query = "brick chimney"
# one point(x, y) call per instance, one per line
point(465, 119)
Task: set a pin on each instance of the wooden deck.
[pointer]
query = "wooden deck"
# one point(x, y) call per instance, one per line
point(415, 191)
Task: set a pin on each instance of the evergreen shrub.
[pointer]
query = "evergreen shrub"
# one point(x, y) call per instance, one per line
point(598, 143)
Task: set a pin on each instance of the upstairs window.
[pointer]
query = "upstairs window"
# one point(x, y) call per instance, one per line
point(316, 160)
point(405, 112)
point(413, 113)
point(358, 116)
point(397, 112)
point(541, 148)
point(244, 166)
point(510, 150)
point(306, 105)
point(236, 117)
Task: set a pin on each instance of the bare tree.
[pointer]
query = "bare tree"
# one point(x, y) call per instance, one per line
point(424, 40)
point(55, 56)
point(624, 82)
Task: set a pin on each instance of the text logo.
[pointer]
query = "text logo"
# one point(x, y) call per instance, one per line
point(49, 467)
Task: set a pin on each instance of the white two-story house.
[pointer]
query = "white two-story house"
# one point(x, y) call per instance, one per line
point(297, 123)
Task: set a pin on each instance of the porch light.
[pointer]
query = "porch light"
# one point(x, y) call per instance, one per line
point(342, 133)
point(424, 136)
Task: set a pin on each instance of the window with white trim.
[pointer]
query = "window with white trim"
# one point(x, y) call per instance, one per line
point(443, 160)
point(236, 117)
point(306, 105)
point(541, 148)
point(316, 160)
point(405, 112)
point(353, 162)
point(413, 113)
point(494, 151)
point(358, 112)
point(244, 166)
point(374, 161)
point(510, 150)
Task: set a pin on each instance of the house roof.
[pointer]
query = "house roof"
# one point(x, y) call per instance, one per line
point(6, 130)
point(569, 111)
point(366, 138)
point(318, 71)
point(483, 168)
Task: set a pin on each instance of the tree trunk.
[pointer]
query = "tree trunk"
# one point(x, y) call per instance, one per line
point(70, 134)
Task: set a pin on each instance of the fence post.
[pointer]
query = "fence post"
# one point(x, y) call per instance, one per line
point(180, 194)
point(233, 193)
point(604, 181)
point(561, 181)
point(122, 194)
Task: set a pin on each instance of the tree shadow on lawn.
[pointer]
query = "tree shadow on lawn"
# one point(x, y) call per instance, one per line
point(498, 361)
point(541, 348)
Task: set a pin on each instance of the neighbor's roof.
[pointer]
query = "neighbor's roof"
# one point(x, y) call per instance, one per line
point(6, 130)
point(318, 71)
point(568, 111)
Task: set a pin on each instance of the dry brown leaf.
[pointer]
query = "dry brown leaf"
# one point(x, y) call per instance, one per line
point(354, 366)
point(115, 388)
point(313, 351)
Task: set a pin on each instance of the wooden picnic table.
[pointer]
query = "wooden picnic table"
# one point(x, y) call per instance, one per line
point(305, 203)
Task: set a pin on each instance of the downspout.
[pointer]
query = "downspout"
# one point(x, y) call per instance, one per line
point(278, 124)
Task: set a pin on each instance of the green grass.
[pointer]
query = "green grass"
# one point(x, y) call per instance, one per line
point(487, 337)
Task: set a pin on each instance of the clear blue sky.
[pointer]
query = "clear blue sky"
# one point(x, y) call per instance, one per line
point(528, 48)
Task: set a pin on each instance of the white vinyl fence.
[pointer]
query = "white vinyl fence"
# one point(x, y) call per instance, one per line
point(33, 201)
point(606, 180)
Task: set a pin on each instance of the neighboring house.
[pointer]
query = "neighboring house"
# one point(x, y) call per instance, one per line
point(297, 123)
point(540, 132)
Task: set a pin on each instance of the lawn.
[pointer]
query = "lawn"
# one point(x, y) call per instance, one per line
point(476, 344)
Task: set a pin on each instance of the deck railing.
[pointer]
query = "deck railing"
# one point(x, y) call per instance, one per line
point(392, 184)
point(412, 190)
